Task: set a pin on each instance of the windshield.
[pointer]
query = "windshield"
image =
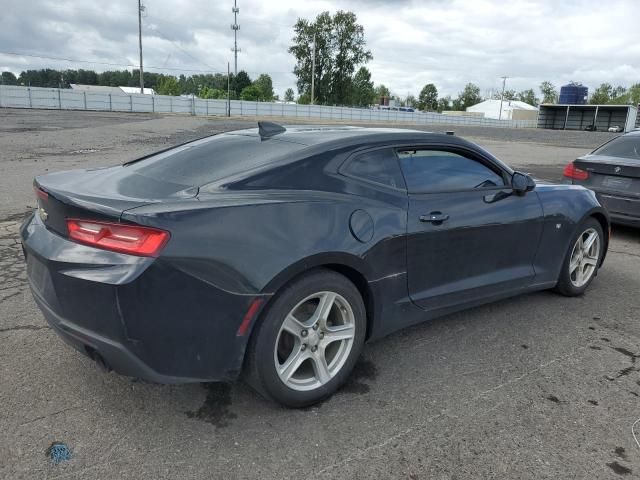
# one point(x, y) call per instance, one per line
point(213, 158)
point(625, 146)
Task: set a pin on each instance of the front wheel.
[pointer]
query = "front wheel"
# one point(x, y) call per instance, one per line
point(308, 341)
point(582, 260)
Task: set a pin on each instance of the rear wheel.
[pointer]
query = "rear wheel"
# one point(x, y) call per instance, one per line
point(308, 341)
point(582, 260)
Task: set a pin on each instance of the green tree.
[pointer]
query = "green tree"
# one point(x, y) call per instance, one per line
point(362, 88)
point(239, 82)
point(168, 86)
point(603, 94)
point(410, 101)
point(630, 96)
point(251, 93)
point(381, 91)
point(339, 49)
point(211, 93)
point(265, 85)
point(289, 95)
point(8, 78)
point(304, 99)
point(428, 98)
point(510, 95)
point(528, 96)
point(549, 92)
point(467, 97)
point(444, 103)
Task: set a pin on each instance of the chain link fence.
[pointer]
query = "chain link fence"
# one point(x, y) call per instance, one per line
point(67, 99)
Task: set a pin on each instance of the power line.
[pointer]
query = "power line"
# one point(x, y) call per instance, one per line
point(113, 64)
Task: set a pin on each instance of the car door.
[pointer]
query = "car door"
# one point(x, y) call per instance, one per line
point(469, 235)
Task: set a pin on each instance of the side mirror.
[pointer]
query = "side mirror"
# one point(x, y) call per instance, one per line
point(522, 183)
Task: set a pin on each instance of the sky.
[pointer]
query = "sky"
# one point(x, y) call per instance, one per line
point(445, 42)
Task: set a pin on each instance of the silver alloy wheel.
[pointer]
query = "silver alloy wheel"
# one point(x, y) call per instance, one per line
point(584, 257)
point(314, 341)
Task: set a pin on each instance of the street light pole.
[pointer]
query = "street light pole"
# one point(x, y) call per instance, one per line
point(504, 82)
point(140, 8)
point(313, 68)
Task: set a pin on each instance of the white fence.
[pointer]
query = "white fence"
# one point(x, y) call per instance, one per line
point(66, 99)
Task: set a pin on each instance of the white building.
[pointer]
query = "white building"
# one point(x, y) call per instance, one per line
point(511, 110)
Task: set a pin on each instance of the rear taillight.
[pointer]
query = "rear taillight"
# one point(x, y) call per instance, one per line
point(131, 239)
point(571, 171)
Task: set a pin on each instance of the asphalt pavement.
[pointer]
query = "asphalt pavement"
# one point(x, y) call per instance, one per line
point(537, 386)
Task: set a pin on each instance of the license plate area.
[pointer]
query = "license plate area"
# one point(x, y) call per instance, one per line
point(617, 183)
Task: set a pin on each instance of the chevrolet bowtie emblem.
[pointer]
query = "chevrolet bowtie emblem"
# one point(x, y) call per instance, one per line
point(43, 214)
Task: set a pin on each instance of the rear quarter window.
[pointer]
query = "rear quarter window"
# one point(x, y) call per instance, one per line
point(377, 166)
point(213, 158)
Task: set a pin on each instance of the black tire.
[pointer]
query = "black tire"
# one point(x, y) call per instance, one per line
point(565, 285)
point(260, 367)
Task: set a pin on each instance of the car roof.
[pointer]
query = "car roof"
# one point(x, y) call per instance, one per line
point(341, 135)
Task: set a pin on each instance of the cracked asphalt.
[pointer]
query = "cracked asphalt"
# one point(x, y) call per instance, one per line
point(536, 386)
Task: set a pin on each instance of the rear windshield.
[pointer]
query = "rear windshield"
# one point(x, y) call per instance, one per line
point(626, 146)
point(213, 158)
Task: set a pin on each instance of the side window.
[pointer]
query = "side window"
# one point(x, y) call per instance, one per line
point(378, 166)
point(440, 170)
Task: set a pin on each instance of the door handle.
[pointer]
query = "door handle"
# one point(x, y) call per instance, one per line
point(434, 217)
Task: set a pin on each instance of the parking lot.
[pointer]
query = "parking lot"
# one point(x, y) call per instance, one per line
point(537, 386)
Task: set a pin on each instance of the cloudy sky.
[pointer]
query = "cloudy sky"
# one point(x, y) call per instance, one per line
point(447, 42)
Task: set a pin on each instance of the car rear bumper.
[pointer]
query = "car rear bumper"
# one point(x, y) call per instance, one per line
point(110, 354)
point(622, 210)
point(141, 317)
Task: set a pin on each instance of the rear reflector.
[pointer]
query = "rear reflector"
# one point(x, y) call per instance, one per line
point(248, 317)
point(571, 171)
point(131, 239)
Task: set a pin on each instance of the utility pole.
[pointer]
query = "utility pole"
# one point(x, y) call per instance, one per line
point(228, 90)
point(313, 68)
point(140, 9)
point(504, 82)
point(235, 27)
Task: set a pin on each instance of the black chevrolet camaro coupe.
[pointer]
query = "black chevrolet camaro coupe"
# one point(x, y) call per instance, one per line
point(275, 253)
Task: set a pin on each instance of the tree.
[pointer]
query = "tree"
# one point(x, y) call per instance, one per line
point(630, 96)
point(381, 91)
point(168, 86)
point(265, 85)
point(549, 92)
point(304, 99)
point(211, 93)
point(289, 95)
point(444, 103)
point(8, 78)
point(428, 98)
point(362, 93)
point(239, 82)
point(528, 96)
point(602, 94)
point(339, 49)
point(410, 101)
point(467, 97)
point(251, 93)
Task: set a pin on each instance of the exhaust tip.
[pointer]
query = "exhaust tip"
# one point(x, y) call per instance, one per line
point(99, 359)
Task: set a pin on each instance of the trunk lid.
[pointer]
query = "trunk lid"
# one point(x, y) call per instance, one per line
point(611, 174)
point(100, 194)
